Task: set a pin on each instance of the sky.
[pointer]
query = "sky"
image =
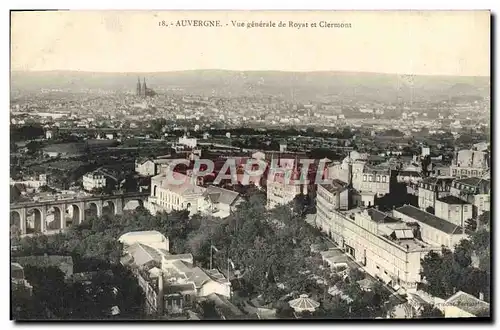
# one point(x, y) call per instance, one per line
point(453, 43)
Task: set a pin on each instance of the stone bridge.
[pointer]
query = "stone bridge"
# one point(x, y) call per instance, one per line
point(34, 216)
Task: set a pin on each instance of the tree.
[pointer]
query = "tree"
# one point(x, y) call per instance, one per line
point(430, 312)
point(209, 310)
point(284, 311)
point(355, 274)
point(425, 162)
point(463, 253)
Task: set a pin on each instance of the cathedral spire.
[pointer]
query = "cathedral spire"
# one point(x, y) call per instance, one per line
point(144, 88)
point(138, 88)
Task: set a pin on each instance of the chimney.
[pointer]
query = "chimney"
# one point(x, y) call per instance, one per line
point(481, 296)
point(160, 300)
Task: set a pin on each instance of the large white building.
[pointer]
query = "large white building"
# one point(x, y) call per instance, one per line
point(170, 282)
point(475, 191)
point(433, 230)
point(384, 245)
point(431, 189)
point(364, 178)
point(169, 196)
point(332, 196)
point(470, 163)
point(454, 210)
point(151, 167)
point(94, 180)
point(281, 192)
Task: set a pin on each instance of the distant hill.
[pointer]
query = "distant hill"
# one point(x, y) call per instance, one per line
point(318, 86)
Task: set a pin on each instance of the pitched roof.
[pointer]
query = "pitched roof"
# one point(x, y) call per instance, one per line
point(409, 173)
point(452, 200)
point(185, 186)
point(178, 256)
point(437, 181)
point(473, 181)
point(143, 254)
point(220, 195)
point(469, 303)
point(178, 288)
point(228, 308)
point(198, 276)
point(335, 186)
point(430, 219)
point(380, 217)
point(303, 303)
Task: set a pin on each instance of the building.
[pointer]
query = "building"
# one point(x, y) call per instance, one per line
point(364, 177)
point(454, 210)
point(430, 189)
point(468, 163)
point(475, 191)
point(385, 246)
point(151, 167)
point(281, 191)
point(331, 196)
point(188, 142)
point(218, 202)
point(170, 282)
point(376, 180)
point(432, 229)
point(151, 238)
point(410, 178)
point(462, 304)
point(145, 167)
point(143, 90)
point(344, 170)
point(94, 180)
point(32, 182)
point(169, 196)
point(18, 282)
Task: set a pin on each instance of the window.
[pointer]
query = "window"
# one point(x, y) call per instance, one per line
point(383, 178)
point(465, 208)
point(364, 178)
point(378, 178)
point(370, 178)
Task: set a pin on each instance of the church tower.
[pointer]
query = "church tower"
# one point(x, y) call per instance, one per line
point(144, 88)
point(138, 88)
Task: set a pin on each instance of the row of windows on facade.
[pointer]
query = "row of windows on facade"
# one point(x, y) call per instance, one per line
point(169, 198)
point(468, 172)
point(388, 256)
point(431, 187)
point(378, 178)
point(457, 208)
point(463, 187)
point(359, 231)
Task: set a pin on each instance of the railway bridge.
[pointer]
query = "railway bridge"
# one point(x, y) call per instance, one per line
point(34, 216)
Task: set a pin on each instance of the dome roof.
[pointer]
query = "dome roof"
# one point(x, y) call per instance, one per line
point(304, 303)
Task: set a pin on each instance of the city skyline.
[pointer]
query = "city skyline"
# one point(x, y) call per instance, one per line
point(425, 43)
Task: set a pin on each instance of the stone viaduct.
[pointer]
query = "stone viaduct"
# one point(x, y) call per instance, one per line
point(77, 208)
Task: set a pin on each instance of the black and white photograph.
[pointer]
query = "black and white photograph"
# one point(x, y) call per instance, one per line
point(250, 165)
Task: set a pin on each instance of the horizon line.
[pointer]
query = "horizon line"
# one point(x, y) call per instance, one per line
point(230, 70)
